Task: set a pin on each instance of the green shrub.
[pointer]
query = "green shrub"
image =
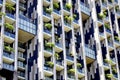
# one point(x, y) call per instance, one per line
point(101, 16)
point(71, 71)
point(57, 56)
point(8, 48)
point(50, 64)
point(79, 65)
point(2, 14)
point(49, 10)
point(108, 61)
point(56, 5)
point(107, 26)
point(68, 6)
point(49, 44)
point(109, 76)
point(48, 25)
point(9, 26)
point(9, 7)
point(116, 38)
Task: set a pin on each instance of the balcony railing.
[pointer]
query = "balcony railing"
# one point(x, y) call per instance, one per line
point(8, 55)
point(21, 45)
point(48, 49)
point(21, 64)
point(26, 24)
point(107, 30)
point(67, 24)
point(89, 52)
point(69, 57)
point(106, 64)
point(113, 59)
point(8, 66)
point(76, 21)
point(101, 33)
point(9, 34)
point(21, 74)
point(84, 8)
point(10, 15)
point(56, 11)
point(46, 14)
point(72, 77)
point(104, 4)
point(110, 44)
point(47, 78)
point(47, 31)
point(66, 8)
point(80, 70)
point(59, 63)
point(58, 44)
point(47, 68)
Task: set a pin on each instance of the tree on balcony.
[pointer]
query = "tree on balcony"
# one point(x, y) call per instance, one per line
point(116, 38)
point(68, 19)
point(109, 76)
point(49, 10)
point(9, 26)
point(71, 71)
point(50, 64)
point(8, 48)
point(9, 7)
point(114, 70)
point(48, 26)
point(49, 44)
point(68, 6)
point(107, 26)
point(57, 56)
point(56, 5)
point(107, 61)
point(101, 15)
point(79, 65)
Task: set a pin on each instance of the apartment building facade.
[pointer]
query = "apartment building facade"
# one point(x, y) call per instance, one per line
point(60, 40)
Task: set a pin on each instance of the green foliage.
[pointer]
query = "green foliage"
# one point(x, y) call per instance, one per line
point(9, 7)
point(74, 16)
point(71, 71)
point(101, 15)
point(109, 76)
point(107, 26)
point(117, 8)
point(49, 10)
point(114, 70)
point(49, 44)
point(79, 65)
point(108, 61)
point(57, 56)
point(116, 38)
point(56, 5)
point(48, 25)
point(8, 48)
point(68, 18)
point(9, 26)
point(68, 6)
point(50, 63)
point(2, 14)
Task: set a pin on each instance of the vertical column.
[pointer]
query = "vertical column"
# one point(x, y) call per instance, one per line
point(16, 39)
point(40, 40)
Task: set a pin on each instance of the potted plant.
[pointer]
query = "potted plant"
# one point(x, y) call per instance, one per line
point(9, 7)
point(114, 70)
point(49, 44)
point(8, 48)
point(68, 6)
point(108, 61)
point(57, 56)
point(49, 10)
point(48, 25)
point(109, 76)
point(50, 64)
point(9, 26)
point(116, 38)
point(101, 15)
point(79, 65)
point(68, 18)
point(107, 26)
point(55, 5)
point(71, 71)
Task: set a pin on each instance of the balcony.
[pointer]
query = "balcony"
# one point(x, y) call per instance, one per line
point(21, 65)
point(59, 65)
point(85, 8)
point(110, 46)
point(67, 26)
point(66, 11)
point(102, 37)
point(80, 73)
point(58, 46)
point(10, 18)
point(90, 54)
point(104, 4)
point(48, 51)
point(108, 31)
point(46, 16)
point(22, 6)
point(8, 66)
point(9, 36)
point(8, 57)
point(71, 77)
point(21, 56)
point(70, 59)
point(46, 2)
point(47, 33)
point(47, 78)
point(21, 47)
point(27, 27)
point(48, 71)
point(21, 75)
point(106, 65)
point(56, 13)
